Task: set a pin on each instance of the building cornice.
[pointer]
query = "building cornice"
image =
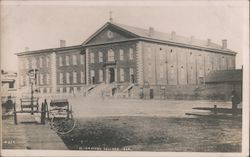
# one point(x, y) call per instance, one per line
point(214, 50)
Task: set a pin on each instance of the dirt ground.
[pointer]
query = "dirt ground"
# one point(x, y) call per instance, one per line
point(157, 134)
point(152, 125)
point(135, 107)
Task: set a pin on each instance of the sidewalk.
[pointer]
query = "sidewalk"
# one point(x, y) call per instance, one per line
point(29, 134)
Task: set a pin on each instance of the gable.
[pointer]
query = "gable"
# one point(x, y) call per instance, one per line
point(109, 34)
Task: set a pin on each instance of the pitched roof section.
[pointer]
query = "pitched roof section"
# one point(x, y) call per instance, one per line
point(223, 76)
point(167, 37)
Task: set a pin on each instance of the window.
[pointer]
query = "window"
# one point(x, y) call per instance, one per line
point(45, 78)
point(33, 64)
point(131, 53)
point(40, 62)
point(21, 80)
point(61, 61)
point(41, 79)
point(48, 78)
point(26, 62)
point(47, 61)
point(149, 55)
point(41, 90)
point(82, 59)
point(121, 74)
point(149, 70)
point(67, 60)
point(92, 57)
point(61, 78)
point(22, 64)
point(161, 55)
point(27, 80)
point(111, 55)
point(131, 71)
point(67, 78)
point(161, 71)
point(92, 73)
point(121, 54)
point(74, 77)
point(11, 85)
point(75, 89)
point(74, 60)
point(131, 75)
point(48, 90)
point(100, 57)
point(100, 75)
point(61, 90)
point(68, 89)
point(82, 77)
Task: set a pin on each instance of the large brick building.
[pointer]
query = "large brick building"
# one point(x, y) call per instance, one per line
point(125, 56)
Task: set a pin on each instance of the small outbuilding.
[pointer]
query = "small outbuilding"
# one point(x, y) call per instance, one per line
point(223, 82)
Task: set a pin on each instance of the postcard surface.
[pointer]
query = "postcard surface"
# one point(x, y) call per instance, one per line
point(138, 78)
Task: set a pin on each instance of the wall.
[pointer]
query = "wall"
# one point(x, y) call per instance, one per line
point(189, 92)
point(40, 61)
point(126, 63)
point(77, 66)
point(172, 65)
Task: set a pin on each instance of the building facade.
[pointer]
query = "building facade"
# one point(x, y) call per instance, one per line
point(125, 55)
point(8, 85)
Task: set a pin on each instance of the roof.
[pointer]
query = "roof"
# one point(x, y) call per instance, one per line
point(50, 50)
point(168, 37)
point(222, 76)
point(143, 34)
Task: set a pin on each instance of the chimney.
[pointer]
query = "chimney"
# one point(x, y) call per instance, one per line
point(208, 42)
point(62, 43)
point(191, 39)
point(150, 31)
point(173, 34)
point(224, 43)
point(26, 49)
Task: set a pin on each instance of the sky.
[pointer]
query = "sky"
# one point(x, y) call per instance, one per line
point(42, 25)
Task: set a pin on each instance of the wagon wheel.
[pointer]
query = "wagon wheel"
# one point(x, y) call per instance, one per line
point(62, 125)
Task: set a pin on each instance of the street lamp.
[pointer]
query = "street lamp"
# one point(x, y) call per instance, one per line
point(33, 79)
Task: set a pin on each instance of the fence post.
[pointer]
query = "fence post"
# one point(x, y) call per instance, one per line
point(215, 109)
point(15, 115)
point(43, 114)
point(47, 109)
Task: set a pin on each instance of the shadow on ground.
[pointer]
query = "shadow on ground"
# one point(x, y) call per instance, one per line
point(208, 134)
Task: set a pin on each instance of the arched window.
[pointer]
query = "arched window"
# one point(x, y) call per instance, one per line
point(100, 57)
point(121, 74)
point(92, 57)
point(67, 60)
point(121, 54)
point(61, 61)
point(131, 54)
point(82, 77)
point(111, 55)
point(74, 77)
point(100, 75)
point(67, 77)
point(74, 60)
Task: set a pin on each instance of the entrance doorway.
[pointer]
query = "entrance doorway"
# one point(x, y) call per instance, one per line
point(132, 78)
point(93, 80)
point(111, 75)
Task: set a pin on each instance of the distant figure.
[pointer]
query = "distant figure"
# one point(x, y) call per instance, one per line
point(235, 102)
point(9, 104)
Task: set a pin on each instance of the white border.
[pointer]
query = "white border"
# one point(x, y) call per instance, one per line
point(245, 129)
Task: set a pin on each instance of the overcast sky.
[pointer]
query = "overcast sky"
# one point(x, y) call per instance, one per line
point(42, 26)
